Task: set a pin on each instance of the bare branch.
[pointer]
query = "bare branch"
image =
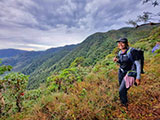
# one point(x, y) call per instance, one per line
point(145, 1)
point(134, 23)
point(144, 18)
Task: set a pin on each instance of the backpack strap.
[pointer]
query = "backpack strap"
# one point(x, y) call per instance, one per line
point(129, 50)
point(129, 54)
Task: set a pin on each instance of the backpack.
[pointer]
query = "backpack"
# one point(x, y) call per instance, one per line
point(140, 55)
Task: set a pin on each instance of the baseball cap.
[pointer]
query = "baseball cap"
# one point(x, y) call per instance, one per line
point(124, 40)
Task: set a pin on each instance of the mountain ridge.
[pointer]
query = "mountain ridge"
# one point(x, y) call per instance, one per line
point(94, 48)
point(10, 52)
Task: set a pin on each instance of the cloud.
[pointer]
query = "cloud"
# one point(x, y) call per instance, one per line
point(58, 36)
point(41, 24)
point(13, 13)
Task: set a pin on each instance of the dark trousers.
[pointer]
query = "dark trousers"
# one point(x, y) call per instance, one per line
point(122, 89)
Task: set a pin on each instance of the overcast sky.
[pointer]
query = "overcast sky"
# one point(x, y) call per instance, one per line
point(42, 24)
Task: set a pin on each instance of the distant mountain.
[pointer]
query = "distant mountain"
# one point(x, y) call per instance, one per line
point(37, 64)
point(19, 61)
point(22, 59)
point(40, 65)
point(10, 52)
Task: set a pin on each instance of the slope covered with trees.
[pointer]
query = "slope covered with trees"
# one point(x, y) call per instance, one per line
point(92, 49)
point(41, 67)
point(41, 64)
point(82, 92)
point(34, 62)
point(95, 96)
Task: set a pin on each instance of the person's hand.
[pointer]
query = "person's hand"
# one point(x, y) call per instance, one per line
point(115, 59)
point(138, 81)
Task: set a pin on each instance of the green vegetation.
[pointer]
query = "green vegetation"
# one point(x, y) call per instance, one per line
point(12, 87)
point(90, 91)
point(15, 87)
point(42, 64)
point(41, 67)
point(65, 79)
point(93, 49)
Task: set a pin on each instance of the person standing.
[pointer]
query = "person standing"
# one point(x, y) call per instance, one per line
point(129, 61)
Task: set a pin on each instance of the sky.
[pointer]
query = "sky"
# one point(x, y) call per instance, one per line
point(42, 24)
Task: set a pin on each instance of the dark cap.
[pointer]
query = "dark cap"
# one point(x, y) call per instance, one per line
point(124, 40)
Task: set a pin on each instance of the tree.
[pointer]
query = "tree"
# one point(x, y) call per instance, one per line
point(3, 69)
point(77, 61)
point(147, 17)
point(16, 85)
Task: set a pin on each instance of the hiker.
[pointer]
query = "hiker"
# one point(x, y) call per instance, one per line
point(128, 63)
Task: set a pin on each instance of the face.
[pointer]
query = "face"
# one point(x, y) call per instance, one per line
point(121, 45)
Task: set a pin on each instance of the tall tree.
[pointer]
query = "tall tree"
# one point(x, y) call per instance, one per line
point(147, 17)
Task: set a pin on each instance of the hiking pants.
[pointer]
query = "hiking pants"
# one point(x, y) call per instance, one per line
point(122, 89)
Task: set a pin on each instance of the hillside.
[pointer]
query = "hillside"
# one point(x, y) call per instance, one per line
point(91, 93)
point(19, 61)
point(93, 48)
point(34, 62)
point(97, 46)
point(10, 52)
point(41, 67)
point(96, 96)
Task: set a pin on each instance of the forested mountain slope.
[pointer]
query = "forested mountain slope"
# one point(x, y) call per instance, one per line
point(39, 65)
point(20, 60)
point(96, 95)
point(34, 62)
point(93, 48)
point(98, 45)
point(91, 92)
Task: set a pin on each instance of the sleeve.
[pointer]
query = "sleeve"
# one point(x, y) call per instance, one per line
point(136, 59)
point(138, 66)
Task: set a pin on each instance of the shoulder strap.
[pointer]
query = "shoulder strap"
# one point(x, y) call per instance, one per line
point(129, 50)
point(129, 53)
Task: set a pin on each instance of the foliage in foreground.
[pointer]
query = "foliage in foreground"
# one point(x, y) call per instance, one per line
point(12, 87)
